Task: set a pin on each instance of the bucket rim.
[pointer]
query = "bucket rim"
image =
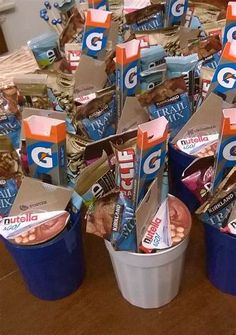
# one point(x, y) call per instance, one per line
point(162, 252)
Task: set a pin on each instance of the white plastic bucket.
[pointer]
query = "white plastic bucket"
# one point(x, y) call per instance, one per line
point(149, 281)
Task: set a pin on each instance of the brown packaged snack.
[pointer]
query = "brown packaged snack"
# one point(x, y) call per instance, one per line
point(204, 48)
point(11, 95)
point(72, 33)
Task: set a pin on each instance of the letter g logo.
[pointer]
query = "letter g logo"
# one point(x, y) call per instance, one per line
point(227, 77)
point(94, 41)
point(178, 8)
point(229, 151)
point(152, 163)
point(131, 78)
point(231, 34)
point(42, 157)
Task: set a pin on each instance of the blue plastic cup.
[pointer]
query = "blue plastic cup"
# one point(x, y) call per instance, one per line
point(221, 259)
point(55, 269)
point(178, 162)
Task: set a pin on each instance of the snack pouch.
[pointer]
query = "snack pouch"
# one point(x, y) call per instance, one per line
point(45, 49)
point(230, 227)
point(198, 177)
point(216, 210)
point(100, 214)
point(185, 66)
point(151, 80)
point(97, 119)
point(72, 54)
point(215, 28)
point(96, 180)
point(10, 175)
point(9, 123)
point(123, 235)
point(148, 18)
point(73, 31)
point(158, 234)
point(169, 99)
point(152, 57)
point(95, 38)
point(33, 89)
point(175, 10)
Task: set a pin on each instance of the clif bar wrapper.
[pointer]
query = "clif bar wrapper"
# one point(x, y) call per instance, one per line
point(150, 155)
point(127, 71)
point(33, 228)
point(217, 208)
point(226, 151)
point(97, 26)
point(175, 10)
point(169, 99)
point(148, 18)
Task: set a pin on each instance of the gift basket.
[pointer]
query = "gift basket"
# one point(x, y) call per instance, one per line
point(122, 122)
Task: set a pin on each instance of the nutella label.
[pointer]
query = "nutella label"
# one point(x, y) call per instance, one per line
point(193, 145)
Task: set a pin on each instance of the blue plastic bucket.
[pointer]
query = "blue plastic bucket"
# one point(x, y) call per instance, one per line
point(221, 259)
point(55, 269)
point(178, 162)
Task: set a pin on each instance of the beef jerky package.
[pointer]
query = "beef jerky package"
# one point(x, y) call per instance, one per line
point(96, 180)
point(169, 99)
point(33, 89)
point(10, 125)
point(175, 10)
point(198, 177)
point(152, 57)
point(230, 227)
point(100, 215)
point(199, 13)
point(217, 208)
point(97, 119)
point(75, 148)
point(123, 235)
point(10, 175)
point(148, 18)
point(185, 66)
point(73, 31)
point(208, 50)
point(10, 95)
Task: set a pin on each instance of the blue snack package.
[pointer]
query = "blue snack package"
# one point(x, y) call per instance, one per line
point(45, 49)
point(152, 57)
point(148, 18)
point(10, 126)
point(97, 119)
point(149, 81)
point(169, 99)
point(8, 192)
point(175, 10)
point(123, 234)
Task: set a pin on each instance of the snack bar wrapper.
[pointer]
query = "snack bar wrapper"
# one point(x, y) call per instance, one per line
point(169, 99)
point(127, 71)
point(226, 151)
point(150, 155)
point(148, 18)
point(231, 224)
point(73, 31)
point(95, 180)
point(97, 25)
point(216, 210)
point(99, 4)
point(152, 57)
point(123, 236)
point(198, 177)
point(37, 216)
point(175, 10)
point(10, 175)
point(97, 118)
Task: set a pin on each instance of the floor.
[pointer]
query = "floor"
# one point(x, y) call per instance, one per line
point(98, 308)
